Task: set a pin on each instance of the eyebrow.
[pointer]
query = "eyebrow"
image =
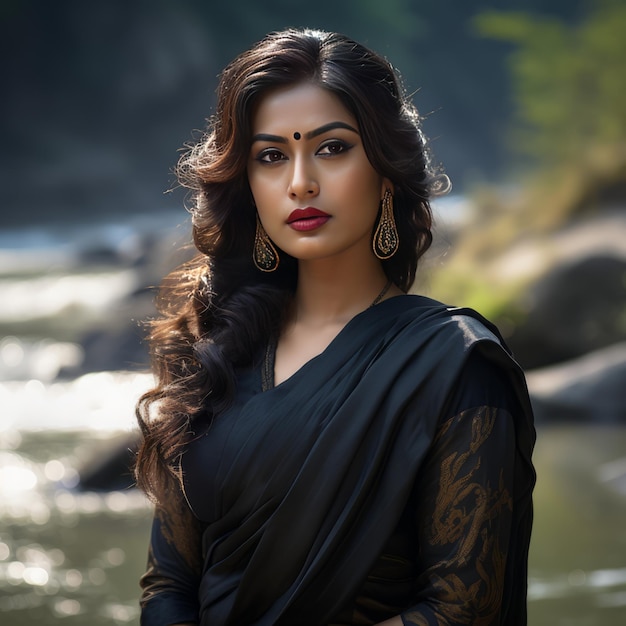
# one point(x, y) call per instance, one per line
point(310, 135)
point(331, 126)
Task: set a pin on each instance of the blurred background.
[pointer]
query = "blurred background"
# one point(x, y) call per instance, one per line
point(525, 105)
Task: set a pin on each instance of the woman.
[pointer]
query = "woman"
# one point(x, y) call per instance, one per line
point(322, 447)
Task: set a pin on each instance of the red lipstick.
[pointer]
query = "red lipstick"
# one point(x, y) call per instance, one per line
point(309, 218)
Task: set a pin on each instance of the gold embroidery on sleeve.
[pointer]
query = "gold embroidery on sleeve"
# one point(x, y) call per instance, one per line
point(464, 510)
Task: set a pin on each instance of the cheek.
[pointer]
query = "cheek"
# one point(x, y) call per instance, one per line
point(259, 186)
point(366, 189)
point(257, 191)
point(253, 179)
point(265, 203)
point(359, 180)
point(264, 200)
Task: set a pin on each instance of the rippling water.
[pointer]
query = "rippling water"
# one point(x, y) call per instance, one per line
point(578, 549)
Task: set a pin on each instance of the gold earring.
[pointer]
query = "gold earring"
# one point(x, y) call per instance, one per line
point(265, 255)
point(386, 240)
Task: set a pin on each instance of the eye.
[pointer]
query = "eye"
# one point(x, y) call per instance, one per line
point(271, 155)
point(332, 147)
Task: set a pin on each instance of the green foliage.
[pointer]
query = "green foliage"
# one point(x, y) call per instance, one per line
point(470, 285)
point(569, 81)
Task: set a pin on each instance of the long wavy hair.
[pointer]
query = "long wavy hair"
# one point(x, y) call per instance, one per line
point(218, 311)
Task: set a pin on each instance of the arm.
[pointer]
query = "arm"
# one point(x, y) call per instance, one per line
point(463, 519)
point(170, 584)
point(469, 553)
point(463, 516)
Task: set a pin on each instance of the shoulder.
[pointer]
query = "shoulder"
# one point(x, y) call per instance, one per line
point(461, 347)
point(467, 361)
point(418, 315)
point(483, 382)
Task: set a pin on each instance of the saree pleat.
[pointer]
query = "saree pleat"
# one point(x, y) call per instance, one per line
point(314, 474)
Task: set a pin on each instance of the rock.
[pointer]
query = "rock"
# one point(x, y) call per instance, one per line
point(114, 349)
point(590, 388)
point(575, 308)
point(111, 467)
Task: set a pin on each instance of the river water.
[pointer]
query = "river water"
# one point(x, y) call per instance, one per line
point(74, 557)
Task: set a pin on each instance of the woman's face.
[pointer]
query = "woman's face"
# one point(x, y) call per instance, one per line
point(315, 190)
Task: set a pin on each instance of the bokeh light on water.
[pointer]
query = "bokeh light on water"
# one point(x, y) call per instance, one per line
point(67, 554)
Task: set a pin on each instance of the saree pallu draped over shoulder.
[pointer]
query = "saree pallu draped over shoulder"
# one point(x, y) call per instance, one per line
point(313, 475)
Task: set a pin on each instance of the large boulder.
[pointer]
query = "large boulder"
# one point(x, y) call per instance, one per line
point(589, 389)
point(575, 308)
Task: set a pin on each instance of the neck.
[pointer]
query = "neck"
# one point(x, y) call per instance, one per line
point(332, 293)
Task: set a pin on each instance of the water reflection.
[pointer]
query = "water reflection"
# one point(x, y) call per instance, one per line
point(578, 549)
point(64, 553)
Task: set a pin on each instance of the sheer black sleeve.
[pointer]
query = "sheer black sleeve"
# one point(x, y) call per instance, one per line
point(170, 584)
point(463, 506)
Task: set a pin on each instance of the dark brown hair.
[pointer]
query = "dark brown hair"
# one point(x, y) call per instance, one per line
point(218, 311)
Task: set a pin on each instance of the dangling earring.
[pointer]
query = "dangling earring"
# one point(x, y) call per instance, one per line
point(386, 240)
point(265, 255)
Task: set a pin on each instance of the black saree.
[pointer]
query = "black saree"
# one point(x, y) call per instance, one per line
point(299, 488)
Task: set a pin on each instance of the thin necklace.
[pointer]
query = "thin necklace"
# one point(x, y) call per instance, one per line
point(381, 295)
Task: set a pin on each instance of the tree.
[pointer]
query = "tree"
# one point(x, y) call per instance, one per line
point(569, 85)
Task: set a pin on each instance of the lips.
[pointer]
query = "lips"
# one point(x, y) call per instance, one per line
point(307, 219)
point(304, 214)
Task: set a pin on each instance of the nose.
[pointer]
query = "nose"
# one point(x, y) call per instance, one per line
point(303, 182)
